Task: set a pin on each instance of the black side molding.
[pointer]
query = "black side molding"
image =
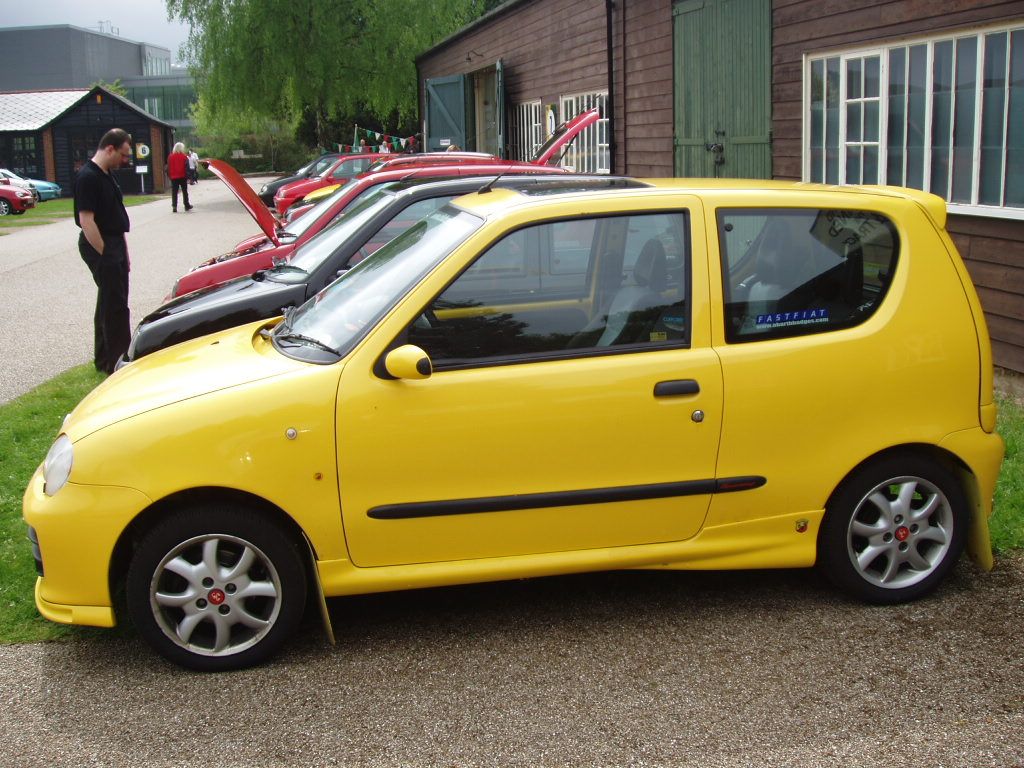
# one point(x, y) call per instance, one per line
point(563, 498)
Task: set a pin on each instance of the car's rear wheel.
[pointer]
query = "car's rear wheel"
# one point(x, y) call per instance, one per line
point(216, 588)
point(894, 530)
point(5, 207)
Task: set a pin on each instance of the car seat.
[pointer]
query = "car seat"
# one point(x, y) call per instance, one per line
point(630, 312)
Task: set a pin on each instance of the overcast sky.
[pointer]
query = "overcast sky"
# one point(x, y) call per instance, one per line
point(142, 21)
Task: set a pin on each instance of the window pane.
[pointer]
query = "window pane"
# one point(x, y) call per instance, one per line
point(942, 116)
point(1015, 126)
point(817, 120)
point(853, 121)
point(897, 114)
point(832, 122)
point(871, 121)
point(993, 115)
point(963, 127)
point(853, 79)
point(871, 76)
point(853, 165)
point(870, 165)
point(916, 110)
point(514, 302)
point(795, 272)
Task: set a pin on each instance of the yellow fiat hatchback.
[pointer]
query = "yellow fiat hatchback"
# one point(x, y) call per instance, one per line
point(547, 380)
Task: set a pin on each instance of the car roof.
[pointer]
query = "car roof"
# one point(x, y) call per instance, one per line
point(529, 184)
point(563, 190)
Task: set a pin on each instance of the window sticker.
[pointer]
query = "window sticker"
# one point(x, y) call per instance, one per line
point(675, 322)
point(800, 317)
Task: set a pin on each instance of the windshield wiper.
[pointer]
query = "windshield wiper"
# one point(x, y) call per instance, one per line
point(292, 336)
point(283, 266)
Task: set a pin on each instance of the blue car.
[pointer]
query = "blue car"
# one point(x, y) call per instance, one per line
point(43, 190)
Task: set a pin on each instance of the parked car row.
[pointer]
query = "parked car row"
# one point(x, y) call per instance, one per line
point(465, 371)
point(15, 199)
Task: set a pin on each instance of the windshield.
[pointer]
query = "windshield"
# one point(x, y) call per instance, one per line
point(307, 220)
point(337, 317)
point(321, 246)
point(322, 165)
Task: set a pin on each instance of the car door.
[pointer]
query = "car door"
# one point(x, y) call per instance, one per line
point(537, 431)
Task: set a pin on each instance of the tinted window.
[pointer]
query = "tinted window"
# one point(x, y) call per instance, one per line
point(790, 272)
point(562, 287)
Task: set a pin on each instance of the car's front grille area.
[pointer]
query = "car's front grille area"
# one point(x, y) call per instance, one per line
point(36, 554)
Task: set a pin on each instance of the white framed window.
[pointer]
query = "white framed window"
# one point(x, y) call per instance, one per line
point(943, 114)
point(527, 130)
point(589, 153)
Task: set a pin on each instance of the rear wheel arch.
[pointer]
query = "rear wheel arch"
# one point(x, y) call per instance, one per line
point(882, 545)
point(949, 461)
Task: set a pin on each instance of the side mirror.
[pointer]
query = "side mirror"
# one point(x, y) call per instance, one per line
point(408, 362)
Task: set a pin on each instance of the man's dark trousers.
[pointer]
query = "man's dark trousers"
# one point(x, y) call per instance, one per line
point(112, 321)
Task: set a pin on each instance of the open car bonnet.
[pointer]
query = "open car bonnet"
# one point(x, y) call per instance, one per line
point(563, 134)
point(246, 196)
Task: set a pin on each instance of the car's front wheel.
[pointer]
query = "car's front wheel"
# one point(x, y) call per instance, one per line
point(5, 207)
point(894, 529)
point(216, 587)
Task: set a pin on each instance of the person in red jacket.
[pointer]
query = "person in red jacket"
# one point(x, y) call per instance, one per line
point(177, 169)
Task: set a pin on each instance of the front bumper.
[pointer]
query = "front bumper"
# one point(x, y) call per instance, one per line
point(77, 530)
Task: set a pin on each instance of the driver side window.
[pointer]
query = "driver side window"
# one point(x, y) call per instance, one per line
point(564, 288)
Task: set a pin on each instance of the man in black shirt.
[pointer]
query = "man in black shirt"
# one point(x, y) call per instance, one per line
point(100, 212)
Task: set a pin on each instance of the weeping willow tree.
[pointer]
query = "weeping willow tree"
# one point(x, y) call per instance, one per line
point(279, 58)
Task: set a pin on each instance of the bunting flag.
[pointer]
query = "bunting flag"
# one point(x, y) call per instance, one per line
point(375, 140)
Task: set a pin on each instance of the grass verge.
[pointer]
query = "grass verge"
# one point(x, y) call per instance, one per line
point(29, 424)
point(56, 210)
point(1007, 523)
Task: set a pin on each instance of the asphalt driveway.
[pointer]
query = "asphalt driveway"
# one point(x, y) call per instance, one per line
point(632, 668)
point(48, 295)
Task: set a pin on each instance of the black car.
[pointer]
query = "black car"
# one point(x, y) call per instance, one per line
point(315, 166)
point(381, 216)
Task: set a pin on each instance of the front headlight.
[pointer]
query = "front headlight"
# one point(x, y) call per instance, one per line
point(57, 465)
point(263, 189)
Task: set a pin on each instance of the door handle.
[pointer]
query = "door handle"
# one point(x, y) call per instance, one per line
point(676, 388)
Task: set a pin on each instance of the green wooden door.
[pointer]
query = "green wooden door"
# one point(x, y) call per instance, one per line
point(722, 76)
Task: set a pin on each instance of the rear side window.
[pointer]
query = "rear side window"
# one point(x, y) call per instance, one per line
point(796, 271)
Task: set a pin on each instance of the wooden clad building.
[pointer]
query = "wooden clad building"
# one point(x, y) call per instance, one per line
point(51, 134)
point(927, 95)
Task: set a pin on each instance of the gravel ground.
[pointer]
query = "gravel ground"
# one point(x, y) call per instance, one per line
point(631, 668)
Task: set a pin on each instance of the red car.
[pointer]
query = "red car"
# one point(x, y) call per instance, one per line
point(343, 169)
point(15, 200)
point(278, 241)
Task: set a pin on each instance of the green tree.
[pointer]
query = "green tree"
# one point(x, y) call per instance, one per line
point(114, 87)
point(280, 58)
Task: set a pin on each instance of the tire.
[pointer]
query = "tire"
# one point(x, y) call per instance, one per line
point(216, 587)
point(5, 207)
point(894, 529)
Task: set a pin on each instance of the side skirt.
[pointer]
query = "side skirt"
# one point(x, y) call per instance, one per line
point(786, 541)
